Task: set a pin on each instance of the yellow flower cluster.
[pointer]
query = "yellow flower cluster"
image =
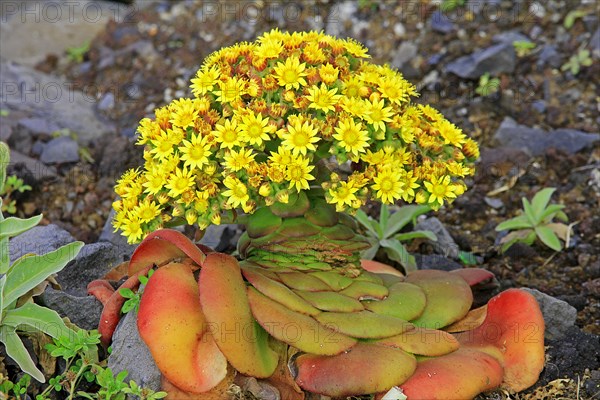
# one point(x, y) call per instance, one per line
point(265, 120)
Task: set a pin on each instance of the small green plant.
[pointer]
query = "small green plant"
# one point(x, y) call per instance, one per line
point(385, 233)
point(76, 54)
point(134, 298)
point(487, 85)
point(572, 16)
point(576, 61)
point(450, 5)
point(537, 222)
point(13, 184)
point(523, 47)
point(18, 313)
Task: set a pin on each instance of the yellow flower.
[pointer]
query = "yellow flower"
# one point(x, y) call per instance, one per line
point(352, 137)
point(146, 211)
point(291, 73)
point(396, 89)
point(132, 228)
point(162, 146)
point(356, 49)
point(228, 134)
point(313, 54)
point(409, 184)
point(342, 195)
point(300, 137)
point(255, 129)
point(470, 149)
point(148, 131)
point(195, 152)
point(282, 157)
point(231, 90)
point(126, 184)
point(269, 49)
point(298, 173)
point(183, 113)
point(237, 160)
point(439, 190)
point(179, 182)
point(387, 186)
point(155, 180)
point(323, 98)
point(451, 134)
point(237, 193)
point(354, 87)
point(376, 114)
point(328, 73)
point(205, 80)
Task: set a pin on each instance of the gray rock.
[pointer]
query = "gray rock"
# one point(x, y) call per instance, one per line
point(130, 353)
point(60, 150)
point(220, 237)
point(82, 311)
point(559, 315)
point(441, 23)
point(344, 12)
point(537, 141)
point(493, 60)
point(445, 244)
point(39, 240)
point(38, 170)
point(436, 261)
point(549, 56)
point(37, 126)
point(510, 37)
point(107, 102)
point(93, 262)
point(595, 43)
point(404, 54)
point(32, 29)
point(52, 99)
point(122, 249)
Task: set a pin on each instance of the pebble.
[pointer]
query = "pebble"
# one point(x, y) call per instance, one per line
point(559, 315)
point(107, 102)
point(445, 244)
point(494, 60)
point(405, 53)
point(60, 150)
point(38, 240)
point(441, 23)
point(537, 141)
point(494, 202)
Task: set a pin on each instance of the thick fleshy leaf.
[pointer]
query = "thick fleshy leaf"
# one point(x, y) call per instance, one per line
point(321, 214)
point(405, 301)
point(473, 276)
point(367, 276)
point(472, 320)
point(449, 297)
point(297, 227)
point(171, 323)
point(513, 331)
point(296, 329)
point(365, 290)
point(296, 206)
point(462, 374)
point(278, 292)
point(162, 246)
point(380, 268)
point(331, 301)
point(333, 279)
point(421, 341)
point(302, 281)
point(262, 223)
point(226, 308)
point(366, 368)
point(364, 324)
point(338, 232)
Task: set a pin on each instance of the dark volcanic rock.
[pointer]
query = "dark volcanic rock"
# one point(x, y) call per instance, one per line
point(82, 311)
point(493, 60)
point(39, 240)
point(60, 150)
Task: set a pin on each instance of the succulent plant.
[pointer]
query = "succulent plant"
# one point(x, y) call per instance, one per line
point(300, 308)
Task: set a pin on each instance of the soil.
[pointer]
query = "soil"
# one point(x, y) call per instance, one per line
point(147, 59)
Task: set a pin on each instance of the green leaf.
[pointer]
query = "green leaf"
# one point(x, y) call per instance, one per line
point(467, 258)
point(397, 252)
point(520, 222)
point(562, 216)
point(540, 201)
point(4, 161)
point(529, 212)
point(548, 237)
point(39, 318)
point(550, 212)
point(2, 284)
point(368, 223)
point(14, 226)
point(416, 235)
point(17, 351)
point(402, 217)
point(384, 215)
point(371, 252)
point(571, 17)
point(4, 254)
point(29, 271)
